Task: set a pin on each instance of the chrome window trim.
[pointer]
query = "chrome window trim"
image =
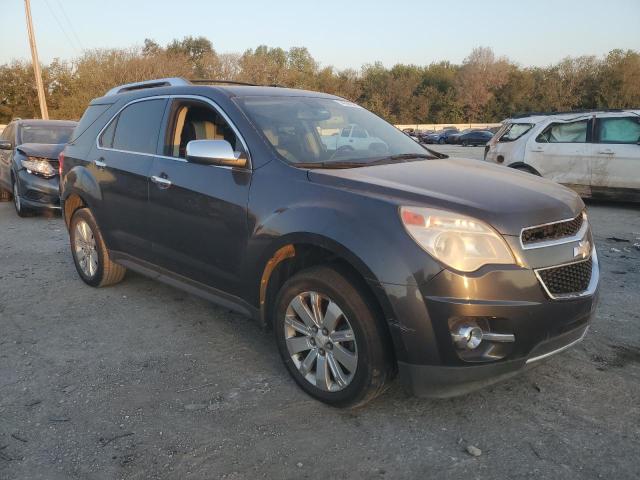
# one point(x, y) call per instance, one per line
point(593, 282)
point(215, 106)
point(558, 350)
point(560, 241)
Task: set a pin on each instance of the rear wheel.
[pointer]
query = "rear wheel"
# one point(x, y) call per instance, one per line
point(90, 254)
point(329, 338)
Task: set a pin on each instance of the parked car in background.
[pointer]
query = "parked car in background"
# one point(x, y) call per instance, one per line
point(362, 263)
point(441, 136)
point(29, 163)
point(473, 137)
point(597, 153)
point(350, 138)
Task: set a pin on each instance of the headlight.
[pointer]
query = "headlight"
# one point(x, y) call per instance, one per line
point(463, 243)
point(39, 166)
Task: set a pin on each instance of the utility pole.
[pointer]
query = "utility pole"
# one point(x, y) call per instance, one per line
point(36, 63)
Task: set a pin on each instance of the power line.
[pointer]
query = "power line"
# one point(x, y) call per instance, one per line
point(55, 17)
point(73, 30)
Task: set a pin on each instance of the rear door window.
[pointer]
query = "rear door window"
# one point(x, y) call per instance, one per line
point(515, 131)
point(137, 127)
point(618, 130)
point(573, 132)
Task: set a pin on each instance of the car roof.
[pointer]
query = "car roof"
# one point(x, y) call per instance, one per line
point(206, 90)
point(567, 116)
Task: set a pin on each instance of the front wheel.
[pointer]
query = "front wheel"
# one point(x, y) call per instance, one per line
point(21, 210)
point(330, 339)
point(465, 143)
point(441, 141)
point(90, 255)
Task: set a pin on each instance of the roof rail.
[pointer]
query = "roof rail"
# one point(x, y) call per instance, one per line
point(159, 82)
point(566, 112)
point(226, 82)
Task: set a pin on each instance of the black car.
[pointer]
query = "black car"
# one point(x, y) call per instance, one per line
point(29, 163)
point(441, 136)
point(474, 137)
point(366, 261)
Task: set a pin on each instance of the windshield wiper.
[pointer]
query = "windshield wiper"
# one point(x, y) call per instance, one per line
point(331, 164)
point(365, 163)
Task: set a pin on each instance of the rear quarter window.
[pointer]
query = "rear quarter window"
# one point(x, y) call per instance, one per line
point(90, 116)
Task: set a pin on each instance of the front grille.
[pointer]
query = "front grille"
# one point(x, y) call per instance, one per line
point(553, 231)
point(567, 279)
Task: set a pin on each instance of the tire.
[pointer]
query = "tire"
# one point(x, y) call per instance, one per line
point(465, 143)
point(441, 141)
point(21, 210)
point(363, 363)
point(90, 255)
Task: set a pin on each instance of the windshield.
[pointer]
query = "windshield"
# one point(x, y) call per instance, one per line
point(305, 130)
point(46, 134)
point(515, 131)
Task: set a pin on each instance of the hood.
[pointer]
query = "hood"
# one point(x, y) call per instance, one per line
point(44, 150)
point(505, 198)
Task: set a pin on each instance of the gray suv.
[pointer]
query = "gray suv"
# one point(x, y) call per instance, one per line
point(365, 259)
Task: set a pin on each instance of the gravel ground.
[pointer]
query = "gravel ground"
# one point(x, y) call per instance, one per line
point(142, 381)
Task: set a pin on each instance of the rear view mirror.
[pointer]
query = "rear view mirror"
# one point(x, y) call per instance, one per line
point(5, 145)
point(213, 152)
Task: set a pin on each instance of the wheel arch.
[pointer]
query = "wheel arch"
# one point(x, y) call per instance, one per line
point(297, 252)
point(525, 167)
point(80, 190)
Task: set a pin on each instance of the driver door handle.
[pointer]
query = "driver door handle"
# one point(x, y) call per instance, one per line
point(606, 151)
point(161, 182)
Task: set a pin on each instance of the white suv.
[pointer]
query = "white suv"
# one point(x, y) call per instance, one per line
point(595, 153)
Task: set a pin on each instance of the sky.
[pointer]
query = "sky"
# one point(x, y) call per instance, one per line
point(345, 34)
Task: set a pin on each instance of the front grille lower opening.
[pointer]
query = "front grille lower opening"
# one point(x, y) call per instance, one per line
point(567, 279)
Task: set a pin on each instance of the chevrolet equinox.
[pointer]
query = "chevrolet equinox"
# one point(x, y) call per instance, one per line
point(373, 258)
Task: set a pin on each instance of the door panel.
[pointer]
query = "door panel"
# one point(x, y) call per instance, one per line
point(616, 158)
point(123, 180)
point(122, 163)
point(198, 213)
point(199, 222)
point(561, 153)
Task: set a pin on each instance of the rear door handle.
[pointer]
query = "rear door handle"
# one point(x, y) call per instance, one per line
point(161, 182)
point(606, 151)
point(100, 163)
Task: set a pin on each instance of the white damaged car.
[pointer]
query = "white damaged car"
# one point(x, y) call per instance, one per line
point(596, 153)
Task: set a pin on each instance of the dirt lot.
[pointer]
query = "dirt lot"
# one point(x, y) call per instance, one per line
point(143, 381)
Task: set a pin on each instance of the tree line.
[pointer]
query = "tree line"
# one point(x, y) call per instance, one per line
point(483, 88)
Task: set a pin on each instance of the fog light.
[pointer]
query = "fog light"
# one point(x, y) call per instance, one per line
point(467, 337)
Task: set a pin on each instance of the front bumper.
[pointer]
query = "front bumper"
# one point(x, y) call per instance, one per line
point(449, 381)
point(510, 300)
point(38, 192)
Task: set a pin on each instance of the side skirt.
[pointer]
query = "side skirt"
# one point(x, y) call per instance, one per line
point(183, 283)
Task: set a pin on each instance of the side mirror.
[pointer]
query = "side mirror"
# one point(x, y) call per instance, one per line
point(6, 145)
point(213, 152)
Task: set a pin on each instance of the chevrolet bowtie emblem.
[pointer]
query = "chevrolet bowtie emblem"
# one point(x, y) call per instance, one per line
point(582, 250)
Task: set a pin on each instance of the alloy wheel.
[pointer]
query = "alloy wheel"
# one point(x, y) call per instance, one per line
point(320, 341)
point(85, 249)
